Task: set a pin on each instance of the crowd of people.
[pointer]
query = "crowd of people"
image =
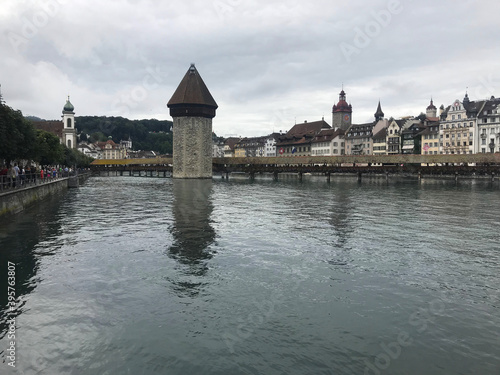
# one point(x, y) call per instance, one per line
point(17, 176)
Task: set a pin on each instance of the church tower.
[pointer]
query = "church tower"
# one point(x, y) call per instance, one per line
point(192, 108)
point(379, 115)
point(431, 110)
point(69, 130)
point(342, 113)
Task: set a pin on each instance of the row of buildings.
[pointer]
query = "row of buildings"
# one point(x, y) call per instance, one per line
point(464, 127)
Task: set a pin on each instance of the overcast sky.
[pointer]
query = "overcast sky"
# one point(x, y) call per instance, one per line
point(268, 64)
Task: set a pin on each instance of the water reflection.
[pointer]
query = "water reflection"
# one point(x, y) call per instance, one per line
point(340, 216)
point(19, 235)
point(192, 230)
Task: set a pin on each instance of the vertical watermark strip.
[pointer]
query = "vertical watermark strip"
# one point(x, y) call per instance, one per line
point(11, 322)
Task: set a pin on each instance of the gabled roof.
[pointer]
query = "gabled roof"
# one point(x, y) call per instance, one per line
point(381, 134)
point(231, 142)
point(489, 106)
point(307, 129)
point(326, 135)
point(54, 127)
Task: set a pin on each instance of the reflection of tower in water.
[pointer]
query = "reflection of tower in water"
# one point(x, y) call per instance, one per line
point(192, 231)
point(340, 217)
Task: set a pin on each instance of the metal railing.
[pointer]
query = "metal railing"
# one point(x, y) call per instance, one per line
point(8, 183)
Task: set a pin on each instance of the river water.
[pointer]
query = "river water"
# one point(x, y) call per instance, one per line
point(130, 275)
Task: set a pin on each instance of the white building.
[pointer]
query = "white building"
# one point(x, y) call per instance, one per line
point(270, 146)
point(328, 142)
point(217, 149)
point(488, 127)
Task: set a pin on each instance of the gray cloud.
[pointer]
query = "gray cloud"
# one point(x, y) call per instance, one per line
point(267, 63)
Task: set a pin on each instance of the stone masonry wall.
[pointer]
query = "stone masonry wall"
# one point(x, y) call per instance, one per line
point(192, 148)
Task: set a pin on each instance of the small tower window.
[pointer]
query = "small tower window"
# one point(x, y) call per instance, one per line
point(68, 123)
point(69, 143)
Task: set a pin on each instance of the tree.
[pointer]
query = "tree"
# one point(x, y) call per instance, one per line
point(49, 149)
point(17, 135)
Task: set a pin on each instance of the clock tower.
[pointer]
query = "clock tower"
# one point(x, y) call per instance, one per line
point(341, 113)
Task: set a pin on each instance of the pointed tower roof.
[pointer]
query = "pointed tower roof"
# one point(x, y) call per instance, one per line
point(192, 98)
point(431, 106)
point(379, 114)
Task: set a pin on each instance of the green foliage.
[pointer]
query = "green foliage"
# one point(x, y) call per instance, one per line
point(17, 135)
point(148, 135)
point(98, 137)
point(48, 149)
point(75, 157)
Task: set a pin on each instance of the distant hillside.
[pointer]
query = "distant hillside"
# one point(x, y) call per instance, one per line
point(33, 118)
point(148, 135)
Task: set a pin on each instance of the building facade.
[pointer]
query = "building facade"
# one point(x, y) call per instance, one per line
point(393, 137)
point(458, 128)
point(297, 141)
point(488, 127)
point(328, 142)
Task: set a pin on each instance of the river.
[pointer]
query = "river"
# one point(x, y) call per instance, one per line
point(129, 275)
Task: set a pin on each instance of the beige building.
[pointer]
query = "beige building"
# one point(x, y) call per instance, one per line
point(430, 139)
point(457, 129)
point(229, 144)
point(110, 150)
point(379, 142)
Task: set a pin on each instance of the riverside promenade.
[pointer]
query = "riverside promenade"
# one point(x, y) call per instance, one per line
point(18, 194)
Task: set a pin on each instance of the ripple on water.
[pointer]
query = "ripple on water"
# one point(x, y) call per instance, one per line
point(132, 275)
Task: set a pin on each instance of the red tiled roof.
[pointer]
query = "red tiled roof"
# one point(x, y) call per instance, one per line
point(54, 127)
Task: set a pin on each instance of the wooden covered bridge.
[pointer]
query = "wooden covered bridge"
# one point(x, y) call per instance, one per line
point(470, 164)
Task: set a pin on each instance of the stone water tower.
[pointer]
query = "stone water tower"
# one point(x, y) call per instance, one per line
point(192, 108)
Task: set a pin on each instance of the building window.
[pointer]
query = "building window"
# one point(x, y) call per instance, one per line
point(68, 122)
point(471, 124)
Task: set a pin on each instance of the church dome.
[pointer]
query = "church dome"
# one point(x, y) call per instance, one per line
point(342, 105)
point(68, 107)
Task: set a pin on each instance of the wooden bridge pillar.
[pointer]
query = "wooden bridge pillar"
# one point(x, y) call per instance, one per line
point(456, 176)
point(275, 176)
point(492, 176)
point(252, 176)
point(359, 176)
point(300, 176)
point(328, 177)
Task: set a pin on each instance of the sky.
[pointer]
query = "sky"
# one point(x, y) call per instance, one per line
point(268, 64)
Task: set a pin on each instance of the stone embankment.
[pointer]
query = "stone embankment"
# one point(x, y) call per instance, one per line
point(14, 199)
